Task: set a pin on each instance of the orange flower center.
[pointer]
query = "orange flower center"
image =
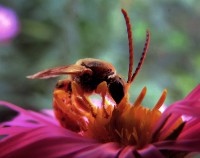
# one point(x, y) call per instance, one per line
point(125, 123)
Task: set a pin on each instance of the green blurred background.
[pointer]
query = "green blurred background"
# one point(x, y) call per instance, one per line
point(55, 33)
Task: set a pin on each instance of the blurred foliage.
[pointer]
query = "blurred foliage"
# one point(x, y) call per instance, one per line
point(55, 33)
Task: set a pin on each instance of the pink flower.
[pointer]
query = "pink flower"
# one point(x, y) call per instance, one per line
point(9, 24)
point(33, 134)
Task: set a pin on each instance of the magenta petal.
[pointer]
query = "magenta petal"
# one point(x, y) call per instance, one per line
point(190, 145)
point(23, 121)
point(127, 152)
point(12, 106)
point(192, 101)
point(13, 130)
point(46, 119)
point(32, 134)
point(194, 95)
point(107, 150)
point(150, 152)
point(190, 106)
point(48, 112)
point(191, 130)
point(43, 141)
point(25, 115)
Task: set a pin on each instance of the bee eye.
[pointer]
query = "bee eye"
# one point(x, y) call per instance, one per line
point(116, 88)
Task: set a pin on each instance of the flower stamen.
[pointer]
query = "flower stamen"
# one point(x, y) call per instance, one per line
point(140, 98)
point(161, 100)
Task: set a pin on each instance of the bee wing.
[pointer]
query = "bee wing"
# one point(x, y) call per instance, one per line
point(63, 70)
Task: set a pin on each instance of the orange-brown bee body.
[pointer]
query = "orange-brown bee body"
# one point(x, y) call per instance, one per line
point(101, 71)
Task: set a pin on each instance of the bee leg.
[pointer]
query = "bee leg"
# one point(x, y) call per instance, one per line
point(102, 89)
point(68, 116)
point(82, 101)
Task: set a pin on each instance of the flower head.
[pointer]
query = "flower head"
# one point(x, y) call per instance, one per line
point(9, 24)
point(33, 134)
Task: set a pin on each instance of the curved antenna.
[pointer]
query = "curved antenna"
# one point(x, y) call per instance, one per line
point(130, 44)
point(142, 57)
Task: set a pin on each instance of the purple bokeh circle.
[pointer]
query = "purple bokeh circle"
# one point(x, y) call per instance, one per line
point(9, 24)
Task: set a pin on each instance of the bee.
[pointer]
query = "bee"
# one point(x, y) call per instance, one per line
point(88, 76)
